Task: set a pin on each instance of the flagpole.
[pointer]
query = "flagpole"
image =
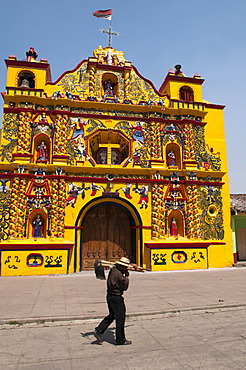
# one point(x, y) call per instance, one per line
point(101, 14)
point(110, 31)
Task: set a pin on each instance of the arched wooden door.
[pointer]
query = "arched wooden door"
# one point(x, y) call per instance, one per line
point(107, 235)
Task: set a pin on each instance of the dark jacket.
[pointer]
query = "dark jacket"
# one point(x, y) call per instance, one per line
point(116, 282)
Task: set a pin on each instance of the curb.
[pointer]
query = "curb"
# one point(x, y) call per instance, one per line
point(75, 320)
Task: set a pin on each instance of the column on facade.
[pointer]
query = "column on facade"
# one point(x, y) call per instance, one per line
point(189, 143)
point(17, 208)
point(193, 217)
point(157, 216)
point(24, 132)
point(92, 81)
point(126, 84)
point(58, 208)
point(155, 145)
point(5, 203)
point(60, 140)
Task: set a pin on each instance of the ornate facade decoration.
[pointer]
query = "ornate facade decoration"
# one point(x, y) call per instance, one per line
point(210, 202)
point(101, 164)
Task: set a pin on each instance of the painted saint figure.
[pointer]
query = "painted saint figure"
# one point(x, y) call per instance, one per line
point(136, 157)
point(73, 192)
point(138, 133)
point(171, 159)
point(174, 227)
point(127, 190)
point(144, 199)
point(78, 132)
point(81, 151)
point(94, 189)
point(37, 227)
point(108, 88)
point(42, 153)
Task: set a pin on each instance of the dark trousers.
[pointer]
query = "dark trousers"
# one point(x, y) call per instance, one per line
point(117, 311)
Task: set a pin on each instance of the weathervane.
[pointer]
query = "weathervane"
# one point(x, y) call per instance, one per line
point(106, 14)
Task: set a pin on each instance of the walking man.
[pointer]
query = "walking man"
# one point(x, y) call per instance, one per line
point(117, 283)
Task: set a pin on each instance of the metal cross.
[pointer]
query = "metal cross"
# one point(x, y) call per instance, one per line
point(110, 33)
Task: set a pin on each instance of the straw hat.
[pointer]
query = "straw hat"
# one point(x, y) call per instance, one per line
point(123, 261)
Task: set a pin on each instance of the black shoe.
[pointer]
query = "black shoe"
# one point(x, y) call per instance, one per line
point(98, 336)
point(125, 343)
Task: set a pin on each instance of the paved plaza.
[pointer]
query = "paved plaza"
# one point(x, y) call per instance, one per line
point(176, 320)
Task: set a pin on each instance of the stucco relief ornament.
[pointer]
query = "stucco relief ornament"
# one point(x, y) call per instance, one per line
point(43, 129)
point(172, 137)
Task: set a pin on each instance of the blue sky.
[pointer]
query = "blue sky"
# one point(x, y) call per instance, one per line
point(207, 37)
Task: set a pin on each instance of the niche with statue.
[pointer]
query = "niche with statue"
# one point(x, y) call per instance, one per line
point(42, 149)
point(37, 224)
point(109, 86)
point(173, 156)
point(176, 224)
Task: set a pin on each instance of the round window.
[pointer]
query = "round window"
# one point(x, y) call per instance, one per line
point(212, 210)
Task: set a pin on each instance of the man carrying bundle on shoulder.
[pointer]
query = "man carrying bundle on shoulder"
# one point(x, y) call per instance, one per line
point(117, 283)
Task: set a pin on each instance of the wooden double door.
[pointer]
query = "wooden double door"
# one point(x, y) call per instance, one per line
point(107, 235)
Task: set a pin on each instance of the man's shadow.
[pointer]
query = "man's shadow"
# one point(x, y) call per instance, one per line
point(108, 336)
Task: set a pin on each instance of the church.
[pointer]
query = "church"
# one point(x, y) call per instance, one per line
point(100, 164)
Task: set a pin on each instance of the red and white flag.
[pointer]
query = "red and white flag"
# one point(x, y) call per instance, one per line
point(107, 14)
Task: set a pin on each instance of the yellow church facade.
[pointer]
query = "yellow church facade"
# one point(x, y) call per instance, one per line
point(100, 164)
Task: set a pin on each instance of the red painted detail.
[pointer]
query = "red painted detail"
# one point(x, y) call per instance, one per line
point(109, 66)
point(22, 155)
point(190, 162)
point(214, 106)
point(179, 257)
point(155, 161)
point(34, 184)
point(183, 79)
point(66, 72)
point(104, 180)
point(40, 196)
point(105, 116)
point(235, 257)
point(57, 156)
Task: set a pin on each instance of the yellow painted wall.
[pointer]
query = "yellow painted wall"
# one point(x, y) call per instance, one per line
point(23, 262)
point(179, 259)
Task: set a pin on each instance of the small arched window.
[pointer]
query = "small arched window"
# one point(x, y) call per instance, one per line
point(26, 79)
point(186, 94)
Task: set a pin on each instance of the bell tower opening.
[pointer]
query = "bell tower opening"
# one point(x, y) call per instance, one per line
point(26, 79)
